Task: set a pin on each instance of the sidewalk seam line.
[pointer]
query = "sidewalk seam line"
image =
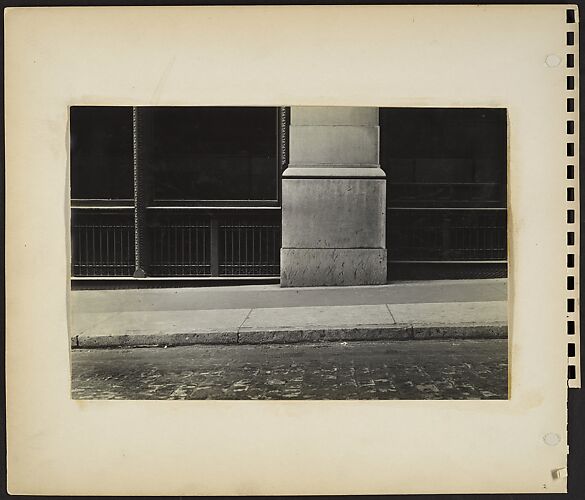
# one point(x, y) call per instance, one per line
point(110, 316)
point(241, 325)
point(391, 315)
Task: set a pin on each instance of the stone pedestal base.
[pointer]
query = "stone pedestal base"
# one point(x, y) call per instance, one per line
point(332, 267)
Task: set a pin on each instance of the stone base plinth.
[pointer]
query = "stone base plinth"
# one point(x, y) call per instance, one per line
point(332, 267)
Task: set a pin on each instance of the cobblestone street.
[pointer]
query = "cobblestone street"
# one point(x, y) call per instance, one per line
point(429, 369)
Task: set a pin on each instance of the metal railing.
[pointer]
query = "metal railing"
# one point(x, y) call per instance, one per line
point(446, 234)
point(249, 247)
point(246, 242)
point(180, 243)
point(102, 243)
point(180, 248)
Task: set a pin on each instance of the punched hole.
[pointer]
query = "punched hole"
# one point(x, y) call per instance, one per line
point(570, 171)
point(570, 83)
point(570, 149)
point(570, 127)
point(570, 60)
point(570, 282)
point(570, 327)
point(571, 350)
point(570, 38)
point(570, 16)
point(571, 305)
point(570, 194)
point(571, 260)
point(570, 105)
point(570, 238)
point(570, 216)
point(572, 372)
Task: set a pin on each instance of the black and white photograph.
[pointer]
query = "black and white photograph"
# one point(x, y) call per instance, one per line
point(293, 252)
point(279, 250)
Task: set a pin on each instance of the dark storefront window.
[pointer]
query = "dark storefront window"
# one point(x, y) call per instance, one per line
point(446, 188)
point(203, 153)
point(207, 182)
point(444, 157)
point(101, 153)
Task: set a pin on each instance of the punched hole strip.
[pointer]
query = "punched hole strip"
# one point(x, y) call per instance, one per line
point(572, 202)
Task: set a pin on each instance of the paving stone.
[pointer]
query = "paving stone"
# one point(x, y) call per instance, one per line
point(411, 369)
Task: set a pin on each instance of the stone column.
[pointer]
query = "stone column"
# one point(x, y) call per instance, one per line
point(333, 199)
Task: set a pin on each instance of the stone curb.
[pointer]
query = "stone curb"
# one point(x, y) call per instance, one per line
point(294, 336)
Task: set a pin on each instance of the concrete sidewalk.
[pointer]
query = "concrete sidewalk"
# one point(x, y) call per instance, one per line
point(268, 296)
point(270, 314)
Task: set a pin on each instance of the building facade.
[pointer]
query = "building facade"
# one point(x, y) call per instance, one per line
point(307, 196)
